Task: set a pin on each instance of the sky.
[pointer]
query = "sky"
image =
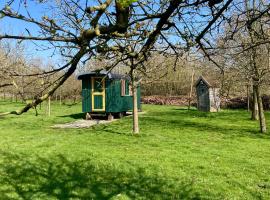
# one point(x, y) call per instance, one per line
point(18, 27)
point(15, 27)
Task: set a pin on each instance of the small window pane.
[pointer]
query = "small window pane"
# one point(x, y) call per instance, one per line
point(98, 86)
point(123, 87)
point(127, 88)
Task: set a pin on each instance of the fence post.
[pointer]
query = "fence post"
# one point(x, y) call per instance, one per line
point(191, 89)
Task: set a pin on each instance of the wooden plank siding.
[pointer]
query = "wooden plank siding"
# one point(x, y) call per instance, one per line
point(207, 96)
point(114, 101)
point(86, 95)
point(203, 98)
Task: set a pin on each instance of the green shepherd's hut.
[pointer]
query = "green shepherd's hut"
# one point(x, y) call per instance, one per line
point(106, 93)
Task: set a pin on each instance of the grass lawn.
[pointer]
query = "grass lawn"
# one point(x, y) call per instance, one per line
point(179, 154)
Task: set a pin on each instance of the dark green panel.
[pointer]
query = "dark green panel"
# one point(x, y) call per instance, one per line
point(86, 95)
point(113, 96)
point(203, 97)
point(139, 98)
point(98, 104)
point(117, 103)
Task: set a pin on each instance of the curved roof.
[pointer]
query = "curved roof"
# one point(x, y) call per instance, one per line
point(102, 73)
point(201, 78)
point(213, 84)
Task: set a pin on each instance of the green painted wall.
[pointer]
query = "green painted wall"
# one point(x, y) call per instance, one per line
point(114, 102)
point(86, 95)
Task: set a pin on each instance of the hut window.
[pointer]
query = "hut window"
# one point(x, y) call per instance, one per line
point(125, 88)
point(98, 84)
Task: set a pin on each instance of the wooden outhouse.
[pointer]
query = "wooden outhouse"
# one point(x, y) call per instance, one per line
point(208, 99)
point(107, 93)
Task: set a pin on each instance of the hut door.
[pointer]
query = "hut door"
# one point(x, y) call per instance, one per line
point(98, 94)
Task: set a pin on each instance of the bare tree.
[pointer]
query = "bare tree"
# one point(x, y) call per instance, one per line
point(82, 30)
point(245, 46)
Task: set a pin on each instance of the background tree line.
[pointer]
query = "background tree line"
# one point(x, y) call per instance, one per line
point(170, 80)
point(148, 37)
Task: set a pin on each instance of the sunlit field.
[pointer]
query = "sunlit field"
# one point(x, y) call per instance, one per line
point(179, 154)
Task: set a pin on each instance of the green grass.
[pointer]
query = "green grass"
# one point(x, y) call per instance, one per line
point(179, 154)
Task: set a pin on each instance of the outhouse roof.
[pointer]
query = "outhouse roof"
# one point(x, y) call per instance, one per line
point(102, 73)
point(201, 78)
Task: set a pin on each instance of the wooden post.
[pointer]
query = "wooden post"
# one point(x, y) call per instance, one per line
point(110, 117)
point(248, 106)
point(60, 96)
point(88, 116)
point(41, 102)
point(49, 106)
point(191, 88)
point(135, 109)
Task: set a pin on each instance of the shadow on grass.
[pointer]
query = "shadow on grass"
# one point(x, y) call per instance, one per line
point(61, 178)
point(224, 122)
point(82, 116)
point(6, 102)
point(231, 123)
point(112, 130)
point(185, 108)
point(75, 116)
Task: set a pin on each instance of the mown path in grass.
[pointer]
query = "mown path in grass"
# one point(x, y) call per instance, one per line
point(179, 154)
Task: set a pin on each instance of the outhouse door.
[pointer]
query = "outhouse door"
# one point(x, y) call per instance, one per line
point(98, 94)
point(203, 94)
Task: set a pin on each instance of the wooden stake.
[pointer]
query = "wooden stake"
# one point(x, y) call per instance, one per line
point(191, 88)
point(49, 106)
point(41, 102)
point(248, 106)
point(110, 117)
point(136, 129)
point(60, 97)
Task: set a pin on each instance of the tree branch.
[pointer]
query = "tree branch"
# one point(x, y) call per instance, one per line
point(38, 100)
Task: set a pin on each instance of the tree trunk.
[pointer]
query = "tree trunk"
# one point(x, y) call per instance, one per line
point(135, 109)
point(255, 109)
point(261, 111)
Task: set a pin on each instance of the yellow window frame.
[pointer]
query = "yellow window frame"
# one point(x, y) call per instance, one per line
point(98, 93)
